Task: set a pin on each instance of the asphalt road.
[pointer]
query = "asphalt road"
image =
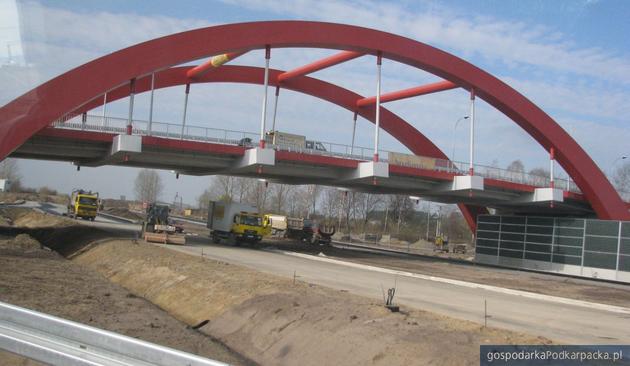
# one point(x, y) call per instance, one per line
point(558, 321)
point(102, 222)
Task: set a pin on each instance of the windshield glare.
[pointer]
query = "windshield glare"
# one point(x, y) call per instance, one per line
point(87, 201)
point(251, 220)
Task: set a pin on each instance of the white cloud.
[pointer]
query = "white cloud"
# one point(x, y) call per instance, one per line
point(508, 42)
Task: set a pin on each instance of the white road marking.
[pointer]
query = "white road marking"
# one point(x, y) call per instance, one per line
point(531, 295)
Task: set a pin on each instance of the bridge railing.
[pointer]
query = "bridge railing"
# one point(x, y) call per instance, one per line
point(233, 137)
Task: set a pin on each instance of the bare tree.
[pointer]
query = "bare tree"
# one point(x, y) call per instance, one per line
point(204, 199)
point(280, 194)
point(366, 204)
point(312, 193)
point(540, 174)
point(148, 185)
point(258, 194)
point(401, 211)
point(516, 169)
point(297, 201)
point(331, 202)
point(516, 166)
point(9, 170)
point(621, 178)
point(222, 188)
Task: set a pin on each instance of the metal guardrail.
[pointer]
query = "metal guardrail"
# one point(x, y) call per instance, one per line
point(57, 341)
point(232, 137)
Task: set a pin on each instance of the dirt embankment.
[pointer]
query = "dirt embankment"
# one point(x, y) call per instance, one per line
point(274, 321)
point(123, 212)
point(16, 197)
point(55, 232)
point(38, 278)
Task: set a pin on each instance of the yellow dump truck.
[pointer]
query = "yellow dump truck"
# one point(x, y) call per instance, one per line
point(83, 204)
point(235, 223)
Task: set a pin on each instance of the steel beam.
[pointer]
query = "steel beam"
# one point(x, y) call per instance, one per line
point(408, 93)
point(212, 63)
point(319, 65)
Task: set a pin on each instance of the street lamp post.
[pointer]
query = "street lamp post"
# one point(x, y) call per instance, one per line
point(454, 129)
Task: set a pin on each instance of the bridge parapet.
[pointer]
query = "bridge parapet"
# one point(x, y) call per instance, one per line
point(233, 137)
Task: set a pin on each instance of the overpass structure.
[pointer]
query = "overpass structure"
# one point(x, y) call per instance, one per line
point(51, 122)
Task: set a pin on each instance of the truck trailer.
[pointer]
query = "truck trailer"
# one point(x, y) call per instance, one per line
point(292, 141)
point(234, 223)
point(276, 224)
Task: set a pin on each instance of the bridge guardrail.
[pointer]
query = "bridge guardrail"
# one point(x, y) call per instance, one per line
point(232, 137)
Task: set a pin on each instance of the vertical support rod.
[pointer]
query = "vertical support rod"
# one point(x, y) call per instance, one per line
point(275, 109)
point(104, 108)
point(132, 91)
point(354, 130)
point(275, 112)
point(552, 157)
point(379, 60)
point(263, 118)
point(151, 104)
point(83, 120)
point(552, 154)
point(472, 132)
point(185, 110)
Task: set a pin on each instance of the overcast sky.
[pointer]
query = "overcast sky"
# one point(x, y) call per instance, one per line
point(572, 58)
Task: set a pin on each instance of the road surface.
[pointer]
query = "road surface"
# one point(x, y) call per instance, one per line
point(558, 321)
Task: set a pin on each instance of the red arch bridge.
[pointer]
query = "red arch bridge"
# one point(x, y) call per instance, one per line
point(52, 122)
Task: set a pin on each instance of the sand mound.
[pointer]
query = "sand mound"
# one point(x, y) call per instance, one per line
point(23, 243)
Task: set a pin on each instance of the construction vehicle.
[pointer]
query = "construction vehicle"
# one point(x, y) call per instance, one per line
point(83, 204)
point(289, 140)
point(235, 223)
point(276, 225)
point(441, 244)
point(309, 231)
point(158, 228)
point(295, 229)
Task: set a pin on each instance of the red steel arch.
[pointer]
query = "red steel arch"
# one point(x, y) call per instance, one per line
point(33, 111)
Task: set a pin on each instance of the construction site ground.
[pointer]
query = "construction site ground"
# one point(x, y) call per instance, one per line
point(38, 278)
point(116, 284)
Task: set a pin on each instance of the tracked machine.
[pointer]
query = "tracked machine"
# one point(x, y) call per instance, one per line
point(158, 228)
